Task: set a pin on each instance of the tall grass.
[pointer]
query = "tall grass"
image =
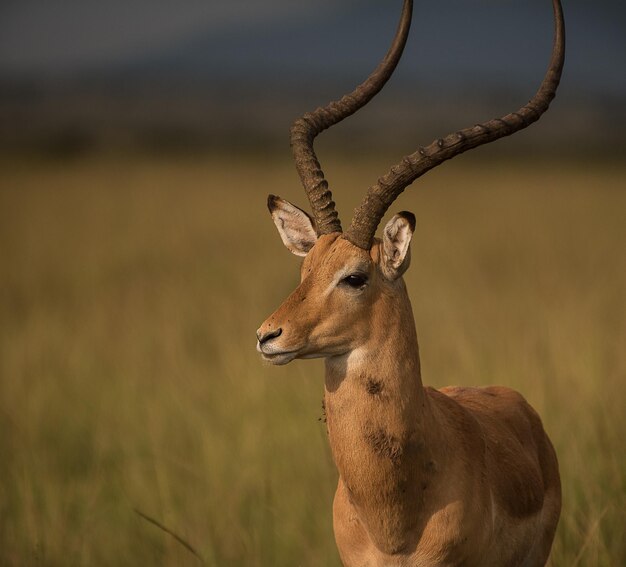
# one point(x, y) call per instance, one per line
point(130, 291)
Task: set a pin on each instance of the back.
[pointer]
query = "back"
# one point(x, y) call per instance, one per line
point(517, 448)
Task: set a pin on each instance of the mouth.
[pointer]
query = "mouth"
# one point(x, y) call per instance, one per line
point(279, 358)
point(276, 357)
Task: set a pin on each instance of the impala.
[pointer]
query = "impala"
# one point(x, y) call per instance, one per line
point(453, 477)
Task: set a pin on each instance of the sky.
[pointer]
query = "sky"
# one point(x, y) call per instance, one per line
point(460, 53)
point(487, 37)
point(72, 34)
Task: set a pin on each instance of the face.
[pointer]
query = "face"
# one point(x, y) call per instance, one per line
point(331, 312)
point(327, 314)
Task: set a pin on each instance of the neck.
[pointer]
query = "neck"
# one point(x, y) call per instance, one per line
point(377, 417)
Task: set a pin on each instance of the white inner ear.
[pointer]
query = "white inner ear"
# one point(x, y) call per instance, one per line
point(294, 226)
point(396, 239)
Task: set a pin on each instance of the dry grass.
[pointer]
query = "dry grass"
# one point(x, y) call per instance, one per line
point(130, 291)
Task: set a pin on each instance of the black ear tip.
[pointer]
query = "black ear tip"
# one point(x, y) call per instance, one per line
point(272, 202)
point(409, 217)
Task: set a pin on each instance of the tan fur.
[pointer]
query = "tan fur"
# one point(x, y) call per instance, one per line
point(455, 477)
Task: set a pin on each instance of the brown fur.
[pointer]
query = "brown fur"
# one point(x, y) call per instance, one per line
point(455, 477)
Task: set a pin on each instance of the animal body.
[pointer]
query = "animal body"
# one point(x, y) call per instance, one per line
point(427, 478)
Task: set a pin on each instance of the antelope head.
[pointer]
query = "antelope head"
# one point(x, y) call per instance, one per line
point(331, 312)
point(347, 278)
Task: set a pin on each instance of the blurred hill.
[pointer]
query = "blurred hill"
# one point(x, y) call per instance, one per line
point(239, 86)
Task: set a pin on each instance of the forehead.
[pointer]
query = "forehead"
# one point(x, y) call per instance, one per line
point(332, 253)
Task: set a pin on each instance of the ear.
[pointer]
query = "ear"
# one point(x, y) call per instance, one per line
point(294, 225)
point(396, 256)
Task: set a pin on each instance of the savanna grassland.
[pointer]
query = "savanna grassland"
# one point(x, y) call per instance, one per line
point(130, 291)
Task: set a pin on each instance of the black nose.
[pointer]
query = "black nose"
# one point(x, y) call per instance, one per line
point(263, 338)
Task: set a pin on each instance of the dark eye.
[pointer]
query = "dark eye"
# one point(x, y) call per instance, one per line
point(355, 281)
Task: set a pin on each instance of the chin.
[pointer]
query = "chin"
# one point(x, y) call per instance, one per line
point(279, 359)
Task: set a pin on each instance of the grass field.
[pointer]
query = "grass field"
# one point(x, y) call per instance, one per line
point(130, 291)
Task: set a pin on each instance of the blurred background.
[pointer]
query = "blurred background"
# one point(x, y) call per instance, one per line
point(163, 76)
point(138, 142)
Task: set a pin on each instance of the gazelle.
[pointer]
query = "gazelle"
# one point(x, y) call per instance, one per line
point(451, 477)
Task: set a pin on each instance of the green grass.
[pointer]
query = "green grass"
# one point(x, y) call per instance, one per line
point(130, 291)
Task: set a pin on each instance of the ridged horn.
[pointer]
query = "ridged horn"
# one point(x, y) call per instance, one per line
point(380, 196)
point(305, 129)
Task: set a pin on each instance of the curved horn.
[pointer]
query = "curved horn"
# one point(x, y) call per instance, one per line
point(305, 129)
point(380, 196)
